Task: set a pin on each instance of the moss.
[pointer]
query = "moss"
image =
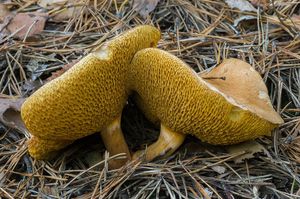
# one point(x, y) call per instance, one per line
point(169, 90)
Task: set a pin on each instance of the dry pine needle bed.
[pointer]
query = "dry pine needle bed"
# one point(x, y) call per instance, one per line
point(39, 40)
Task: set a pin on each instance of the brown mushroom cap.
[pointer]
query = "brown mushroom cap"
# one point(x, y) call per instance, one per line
point(243, 87)
point(170, 91)
point(91, 94)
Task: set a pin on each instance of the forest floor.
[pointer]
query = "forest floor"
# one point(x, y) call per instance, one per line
point(264, 33)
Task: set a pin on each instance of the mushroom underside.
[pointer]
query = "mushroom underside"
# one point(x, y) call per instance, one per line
point(170, 93)
point(63, 110)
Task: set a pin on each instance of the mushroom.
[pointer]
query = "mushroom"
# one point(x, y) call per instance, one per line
point(88, 98)
point(219, 111)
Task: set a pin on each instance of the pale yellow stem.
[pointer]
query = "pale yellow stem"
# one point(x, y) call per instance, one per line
point(115, 143)
point(167, 143)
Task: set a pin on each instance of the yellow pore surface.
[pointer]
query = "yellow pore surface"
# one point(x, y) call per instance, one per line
point(91, 94)
point(170, 91)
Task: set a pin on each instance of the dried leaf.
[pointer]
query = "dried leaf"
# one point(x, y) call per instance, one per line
point(27, 24)
point(50, 4)
point(249, 147)
point(10, 113)
point(243, 18)
point(242, 5)
point(144, 7)
point(63, 9)
point(4, 12)
point(5, 18)
point(36, 66)
point(49, 190)
point(261, 3)
point(67, 13)
point(219, 169)
point(31, 86)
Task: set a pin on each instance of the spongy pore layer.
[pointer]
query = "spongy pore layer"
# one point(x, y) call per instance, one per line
point(91, 94)
point(168, 90)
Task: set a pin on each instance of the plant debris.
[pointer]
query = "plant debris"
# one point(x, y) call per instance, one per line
point(50, 4)
point(61, 71)
point(261, 3)
point(242, 5)
point(25, 25)
point(246, 149)
point(10, 113)
point(200, 32)
point(144, 7)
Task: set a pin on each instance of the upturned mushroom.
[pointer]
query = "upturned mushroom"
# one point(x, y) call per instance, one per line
point(220, 111)
point(87, 98)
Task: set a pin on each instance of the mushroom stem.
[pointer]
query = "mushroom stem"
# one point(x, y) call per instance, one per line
point(167, 143)
point(115, 143)
point(42, 149)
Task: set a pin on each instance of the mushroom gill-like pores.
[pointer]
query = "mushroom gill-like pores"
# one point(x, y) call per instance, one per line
point(220, 111)
point(87, 98)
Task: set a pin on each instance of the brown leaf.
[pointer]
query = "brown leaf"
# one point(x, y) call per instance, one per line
point(4, 12)
point(5, 18)
point(63, 9)
point(261, 3)
point(28, 24)
point(144, 7)
point(10, 113)
point(249, 148)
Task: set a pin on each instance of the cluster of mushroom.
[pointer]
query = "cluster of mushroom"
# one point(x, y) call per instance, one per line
point(91, 95)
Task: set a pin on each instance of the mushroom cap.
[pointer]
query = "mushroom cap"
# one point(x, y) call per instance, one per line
point(91, 94)
point(170, 91)
point(242, 86)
